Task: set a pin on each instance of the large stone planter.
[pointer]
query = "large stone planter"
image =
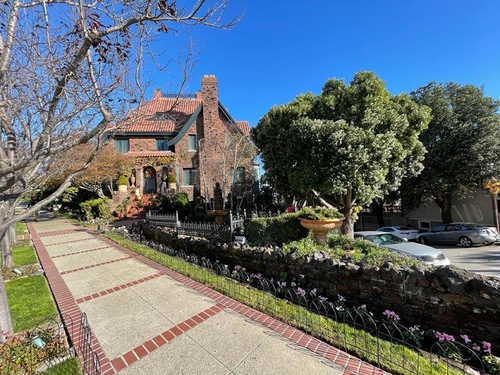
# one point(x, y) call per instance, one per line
point(320, 228)
point(122, 188)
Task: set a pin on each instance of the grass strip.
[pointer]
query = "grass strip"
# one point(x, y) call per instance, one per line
point(391, 357)
point(21, 228)
point(30, 302)
point(69, 367)
point(24, 255)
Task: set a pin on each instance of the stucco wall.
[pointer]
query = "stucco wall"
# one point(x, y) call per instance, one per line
point(478, 209)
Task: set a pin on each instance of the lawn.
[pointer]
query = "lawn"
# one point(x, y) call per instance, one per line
point(68, 367)
point(30, 302)
point(24, 255)
point(21, 228)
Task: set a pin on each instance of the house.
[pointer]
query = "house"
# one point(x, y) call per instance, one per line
point(191, 137)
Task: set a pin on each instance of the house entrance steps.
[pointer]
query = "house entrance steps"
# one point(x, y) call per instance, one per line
point(148, 319)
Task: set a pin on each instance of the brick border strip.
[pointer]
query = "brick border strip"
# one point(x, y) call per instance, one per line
point(65, 300)
point(352, 365)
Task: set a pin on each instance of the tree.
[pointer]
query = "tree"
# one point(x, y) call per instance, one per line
point(232, 164)
point(102, 171)
point(352, 143)
point(66, 74)
point(462, 142)
point(68, 71)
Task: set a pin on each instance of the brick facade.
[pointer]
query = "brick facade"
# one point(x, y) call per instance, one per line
point(176, 119)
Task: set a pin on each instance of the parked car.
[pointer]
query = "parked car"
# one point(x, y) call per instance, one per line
point(424, 253)
point(465, 234)
point(400, 231)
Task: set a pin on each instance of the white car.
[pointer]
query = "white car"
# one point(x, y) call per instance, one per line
point(424, 253)
point(400, 231)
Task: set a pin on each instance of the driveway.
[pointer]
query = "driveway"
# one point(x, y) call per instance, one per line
point(484, 260)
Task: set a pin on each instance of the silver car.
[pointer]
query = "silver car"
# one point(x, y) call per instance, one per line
point(401, 231)
point(465, 234)
point(426, 254)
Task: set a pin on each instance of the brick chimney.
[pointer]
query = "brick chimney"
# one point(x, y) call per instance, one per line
point(210, 98)
point(157, 94)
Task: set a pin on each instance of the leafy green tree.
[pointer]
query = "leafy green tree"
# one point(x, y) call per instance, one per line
point(351, 144)
point(462, 142)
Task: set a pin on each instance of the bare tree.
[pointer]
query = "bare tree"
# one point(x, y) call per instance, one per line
point(233, 152)
point(68, 70)
point(65, 74)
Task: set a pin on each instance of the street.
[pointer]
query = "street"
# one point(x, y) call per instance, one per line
point(484, 260)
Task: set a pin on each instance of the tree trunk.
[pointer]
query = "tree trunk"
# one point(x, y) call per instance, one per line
point(347, 227)
point(6, 240)
point(444, 204)
point(7, 235)
point(5, 319)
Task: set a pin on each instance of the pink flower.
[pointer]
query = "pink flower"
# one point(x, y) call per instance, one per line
point(486, 347)
point(444, 337)
point(391, 315)
point(465, 338)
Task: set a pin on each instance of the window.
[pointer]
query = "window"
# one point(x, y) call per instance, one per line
point(162, 145)
point(122, 145)
point(188, 177)
point(192, 142)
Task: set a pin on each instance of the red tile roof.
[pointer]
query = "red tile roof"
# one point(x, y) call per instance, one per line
point(244, 126)
point(166, 114)
point(149, 118)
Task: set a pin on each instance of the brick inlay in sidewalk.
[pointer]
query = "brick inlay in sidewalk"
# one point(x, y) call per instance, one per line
point(80, 252)
point(126, 359)
point(117, 288)
point(94, 265)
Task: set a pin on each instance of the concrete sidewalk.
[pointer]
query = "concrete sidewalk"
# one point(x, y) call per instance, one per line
point(148, 319)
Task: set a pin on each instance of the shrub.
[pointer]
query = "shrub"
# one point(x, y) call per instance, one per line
point(181, 203)
point(319, 213)
point(96, 208)
point(171, 178)
point(280, 229)
point(122, 180)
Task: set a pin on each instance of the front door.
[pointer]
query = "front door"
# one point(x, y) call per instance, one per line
point(149, 181)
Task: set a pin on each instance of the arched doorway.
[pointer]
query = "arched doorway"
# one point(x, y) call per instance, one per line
point(149, 180)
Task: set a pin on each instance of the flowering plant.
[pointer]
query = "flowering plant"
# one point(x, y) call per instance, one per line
point(493, 185)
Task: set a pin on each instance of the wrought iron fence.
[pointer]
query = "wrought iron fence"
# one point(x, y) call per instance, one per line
point(199, 229)
point(48, 345)
point(88, 357)
point(333, 319)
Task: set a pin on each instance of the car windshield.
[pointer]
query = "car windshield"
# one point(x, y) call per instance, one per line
point(384, 239)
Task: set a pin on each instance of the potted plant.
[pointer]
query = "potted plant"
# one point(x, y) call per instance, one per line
point(320, 220)
point(122, 183)
point(172, 181)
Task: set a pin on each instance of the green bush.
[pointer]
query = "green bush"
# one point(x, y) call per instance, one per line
point(122, 180)
point(280, 229)
point(171, 178)
point(319, 213)
point(96, 208)
point(181, 203)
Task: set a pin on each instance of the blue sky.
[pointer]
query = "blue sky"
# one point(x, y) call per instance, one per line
point(281, 49)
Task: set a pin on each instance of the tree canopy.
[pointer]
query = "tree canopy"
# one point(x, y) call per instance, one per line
point(462, 142)
point(70, 70)
point(351, 143)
